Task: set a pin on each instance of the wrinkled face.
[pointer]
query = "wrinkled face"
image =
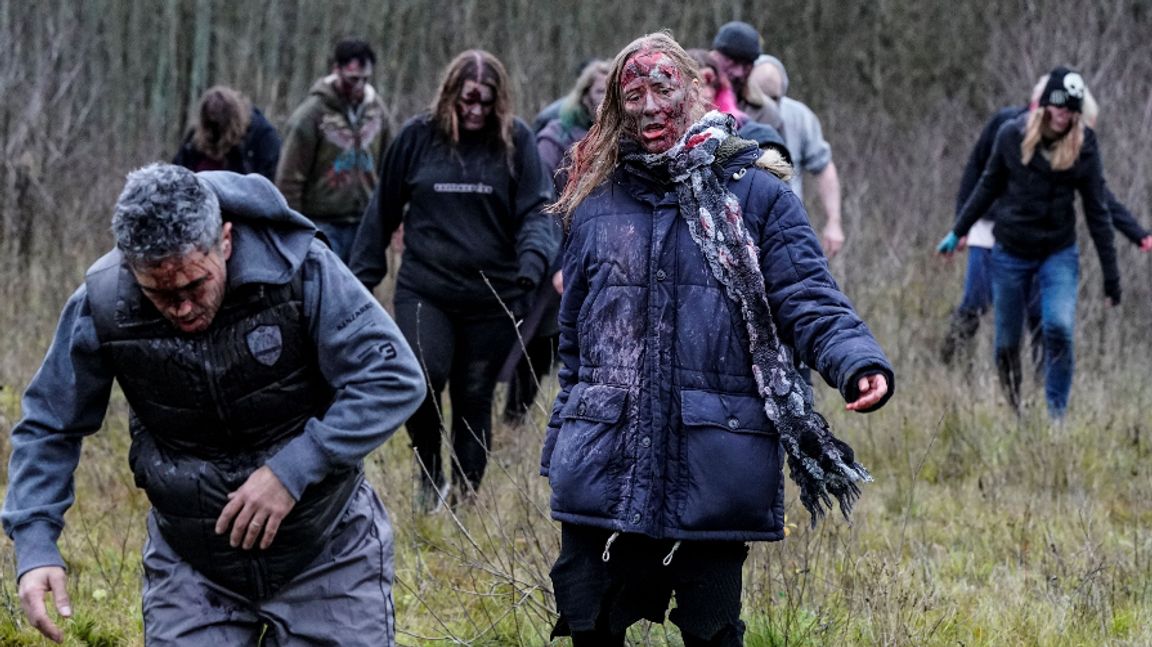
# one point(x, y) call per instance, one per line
point(188, 290)
point(352, 79)
point(474, 105)
point(595, 94)
point(1059, 119)
point(736, 71)
point(656, 100)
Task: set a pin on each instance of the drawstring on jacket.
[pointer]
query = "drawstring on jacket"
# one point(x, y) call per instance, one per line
point(608, 545)
point(606, 555)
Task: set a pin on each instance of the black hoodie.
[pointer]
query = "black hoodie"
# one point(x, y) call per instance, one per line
point(472, 217)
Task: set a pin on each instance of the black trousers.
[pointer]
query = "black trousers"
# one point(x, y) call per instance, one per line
point(462, 348)
point(598, 600)
point(524, 384)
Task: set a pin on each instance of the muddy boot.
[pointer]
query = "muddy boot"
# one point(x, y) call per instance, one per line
point(962, 328)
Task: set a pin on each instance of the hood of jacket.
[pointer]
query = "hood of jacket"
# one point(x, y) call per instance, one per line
point(325, 89)
point(269, 240)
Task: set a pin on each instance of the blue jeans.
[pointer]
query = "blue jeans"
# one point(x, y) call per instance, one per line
point(977, 298)
point(340, 236)
point(977, 281)
point(1057, 277)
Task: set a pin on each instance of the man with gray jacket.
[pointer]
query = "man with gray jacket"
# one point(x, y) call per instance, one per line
point(259, 373)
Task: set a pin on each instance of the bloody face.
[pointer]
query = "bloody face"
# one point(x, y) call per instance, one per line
point(188, 290)
point(656, 100)
point(736, 71)
point(352, 79)
point(474, 105)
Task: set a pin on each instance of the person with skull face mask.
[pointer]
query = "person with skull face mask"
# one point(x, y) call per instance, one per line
point(1039, 161)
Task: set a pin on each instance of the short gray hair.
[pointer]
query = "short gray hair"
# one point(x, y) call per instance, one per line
point(165, 211)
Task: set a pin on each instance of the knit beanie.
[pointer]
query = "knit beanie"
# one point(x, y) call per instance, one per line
point(1065, 89)
point(738, 41)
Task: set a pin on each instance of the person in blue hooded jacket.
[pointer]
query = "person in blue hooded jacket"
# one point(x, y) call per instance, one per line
point(228, 133)
point(691, 274)
point(259, 373)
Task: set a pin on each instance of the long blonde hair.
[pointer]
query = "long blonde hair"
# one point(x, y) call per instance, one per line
point(222, 118)
point(1065, 151)
point(594, 158)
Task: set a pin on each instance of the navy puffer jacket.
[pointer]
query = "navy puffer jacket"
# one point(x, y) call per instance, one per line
point(657, 428)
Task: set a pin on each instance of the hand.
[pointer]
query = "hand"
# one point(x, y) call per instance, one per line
point(558, 282)
point(833, 239)
point(258, 506)
point(33, 586)
point(397, 242)
point(872, 389)
point(1146, 244)
point(949, 244)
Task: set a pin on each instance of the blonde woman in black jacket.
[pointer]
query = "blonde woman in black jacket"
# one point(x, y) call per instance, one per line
point(1039, 162)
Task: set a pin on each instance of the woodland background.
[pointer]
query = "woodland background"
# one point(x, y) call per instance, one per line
point(980, 530)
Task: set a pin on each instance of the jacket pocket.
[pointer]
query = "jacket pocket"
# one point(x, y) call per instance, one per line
point(732, 464)
point(586, 458)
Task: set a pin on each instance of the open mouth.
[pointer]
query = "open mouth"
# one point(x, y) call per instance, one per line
point(653, 131)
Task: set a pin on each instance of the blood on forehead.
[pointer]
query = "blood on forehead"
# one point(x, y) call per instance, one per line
point(655, 66)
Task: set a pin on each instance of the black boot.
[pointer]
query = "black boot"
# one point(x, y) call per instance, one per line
point(1008, 368)
point(962, 328)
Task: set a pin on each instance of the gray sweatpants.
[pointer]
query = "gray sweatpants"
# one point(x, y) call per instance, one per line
point(344, 597)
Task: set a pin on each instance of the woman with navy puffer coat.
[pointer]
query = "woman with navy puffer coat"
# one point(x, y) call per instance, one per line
point(690, 274)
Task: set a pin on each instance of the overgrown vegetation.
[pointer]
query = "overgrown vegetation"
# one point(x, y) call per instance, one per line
point(980, 530)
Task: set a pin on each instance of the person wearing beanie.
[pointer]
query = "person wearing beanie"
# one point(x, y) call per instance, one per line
point(1039, 161)
point(735, 48)
point(811, 154)
point(976, 299)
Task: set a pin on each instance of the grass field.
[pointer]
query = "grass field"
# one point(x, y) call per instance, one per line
point(979, 530)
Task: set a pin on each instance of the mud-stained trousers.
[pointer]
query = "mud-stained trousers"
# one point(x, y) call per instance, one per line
point(343, 597)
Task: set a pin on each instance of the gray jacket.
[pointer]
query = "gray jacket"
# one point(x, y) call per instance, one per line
point(359, 351)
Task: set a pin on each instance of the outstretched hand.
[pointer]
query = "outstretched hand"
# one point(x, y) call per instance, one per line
point(256, 508)
point(949, 244)
point(33, 586)
point(873, 388)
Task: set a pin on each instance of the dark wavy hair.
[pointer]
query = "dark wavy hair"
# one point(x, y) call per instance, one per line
point(221, 121)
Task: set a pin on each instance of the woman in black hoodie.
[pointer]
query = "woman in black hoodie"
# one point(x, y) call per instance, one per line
point(1039, 161)
point(466, 182)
